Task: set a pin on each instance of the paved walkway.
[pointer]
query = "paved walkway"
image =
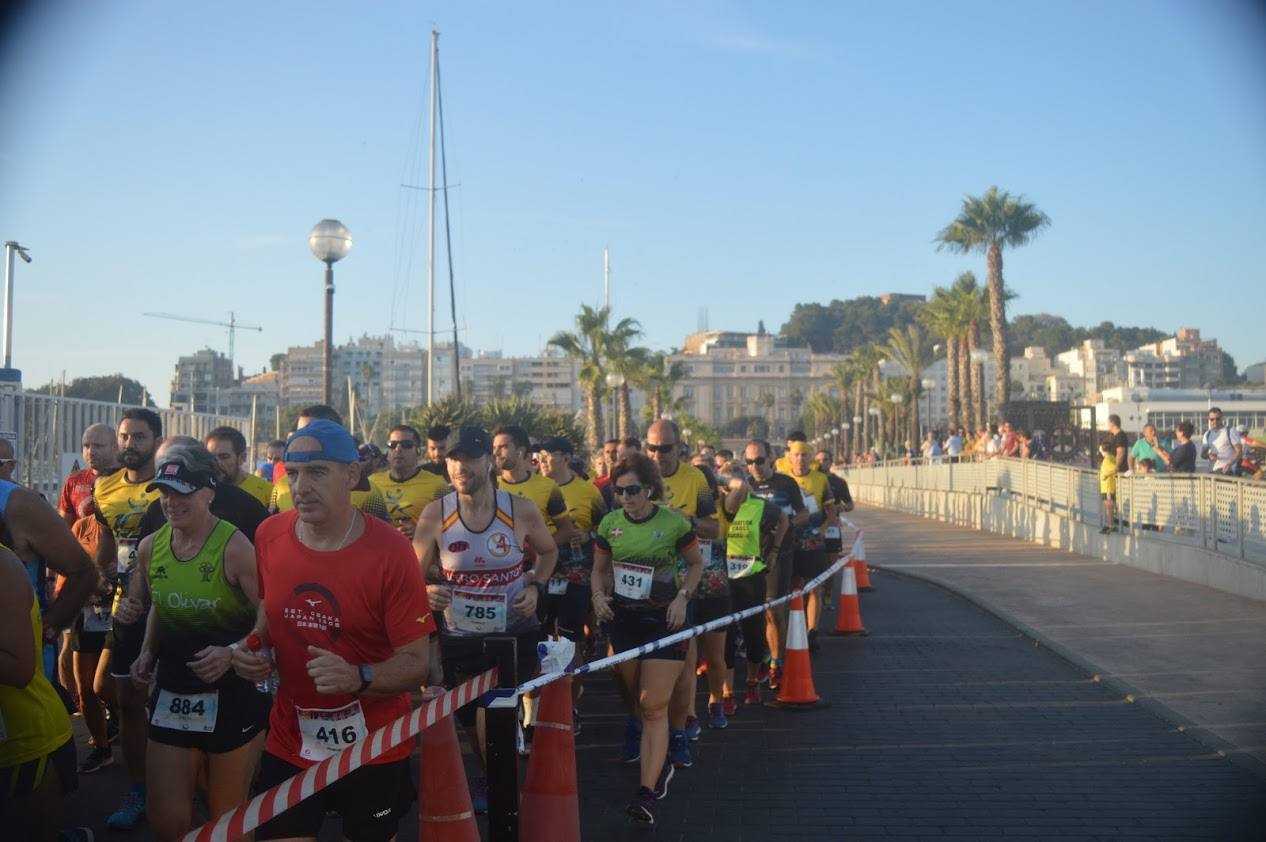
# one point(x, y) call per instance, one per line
point(1194, 653)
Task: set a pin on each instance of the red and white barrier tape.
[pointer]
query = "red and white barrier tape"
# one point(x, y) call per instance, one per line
point(283, 796)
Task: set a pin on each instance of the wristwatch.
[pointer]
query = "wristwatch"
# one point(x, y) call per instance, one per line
point(366, 678)
point(532, 583)
point(684, 593)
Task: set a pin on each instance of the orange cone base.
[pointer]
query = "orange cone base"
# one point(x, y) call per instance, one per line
point(858, 633)
point(863, 575)
point(800, 706)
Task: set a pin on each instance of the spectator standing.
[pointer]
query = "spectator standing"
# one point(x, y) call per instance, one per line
point(1182, 460)
point(1120, 443)
point(1108, 485)
point(954, 445)
point(1223, 446)
point(1145, 448)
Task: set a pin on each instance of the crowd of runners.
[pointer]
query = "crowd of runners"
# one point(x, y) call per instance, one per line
point(219, 628)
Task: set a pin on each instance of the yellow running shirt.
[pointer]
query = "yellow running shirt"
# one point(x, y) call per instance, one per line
point(258, 487)
point(406, 500)
point(370, 502)
point(33, 720)
point(542, 491)
point(687, 490)
point(585, 505)
point(121, 505)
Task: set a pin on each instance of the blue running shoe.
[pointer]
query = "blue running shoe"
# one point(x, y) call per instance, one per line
point(679, 750)
point(716, 716)
point(693, 728)
point(130, 812)
point(632, 741)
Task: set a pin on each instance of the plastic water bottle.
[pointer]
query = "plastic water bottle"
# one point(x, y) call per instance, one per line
point(255, 645)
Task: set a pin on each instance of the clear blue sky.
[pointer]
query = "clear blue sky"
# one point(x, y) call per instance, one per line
point(734, 156)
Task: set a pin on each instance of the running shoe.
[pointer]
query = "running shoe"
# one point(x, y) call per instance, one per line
point(814, 646)
point(130, 812)
point(112, 731)
point(679, 750)
point(693, 728)
point(752, 695)
point(97, 759)
point(729, 705)
point(632, 741)
point(775, 674)
point(525, 743)
point(575, 721)
point(479, 796)
point(76, 834)
point(762, 674)
point(641, 810)
point(702, 669)
point(665, 775)
point(716, 716)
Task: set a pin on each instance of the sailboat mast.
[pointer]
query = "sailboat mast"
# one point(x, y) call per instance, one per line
point(430, 270)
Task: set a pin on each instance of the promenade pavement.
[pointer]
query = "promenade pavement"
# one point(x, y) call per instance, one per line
point(1193, 653)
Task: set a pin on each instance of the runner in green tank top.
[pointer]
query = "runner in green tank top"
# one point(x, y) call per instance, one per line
point(203, 585)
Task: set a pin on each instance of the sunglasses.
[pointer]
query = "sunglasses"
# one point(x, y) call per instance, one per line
point(407, 445)
point(630, 490)
point(758, 461)
point(662, 448)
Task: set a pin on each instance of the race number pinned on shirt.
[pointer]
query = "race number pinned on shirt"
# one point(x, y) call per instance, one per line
point(126, 556)
point(705, 550)
point(811, 504)
point(557, 585)
point(739, 566)
point(478, 612)
point(327, 731)
point(194, 712)
point(633, 581)
point(96, 619)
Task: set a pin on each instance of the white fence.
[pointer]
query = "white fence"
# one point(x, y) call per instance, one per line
point(1222, 514)
point(51, 426)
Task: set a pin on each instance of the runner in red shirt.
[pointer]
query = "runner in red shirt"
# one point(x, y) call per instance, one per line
point(101, 455)
point(346, 614)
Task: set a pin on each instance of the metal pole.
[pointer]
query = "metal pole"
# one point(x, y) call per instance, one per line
point(502, 743)
point(10, 251)
point(327, 365)
point(430, 243)
point(254, 412)
point(606, 278)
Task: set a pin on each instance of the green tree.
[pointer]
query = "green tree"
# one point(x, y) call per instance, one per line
point(588, 344)
point(626, 360)
point(657, 376)
point(941, 318)
point(448, 411)
point(910, 349)
point(102, 388)
point(985, 224)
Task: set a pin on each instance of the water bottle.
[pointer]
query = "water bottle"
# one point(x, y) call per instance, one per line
point(255, 645)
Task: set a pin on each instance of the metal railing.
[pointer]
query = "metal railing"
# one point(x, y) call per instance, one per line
point(51, 426)
point(1222, 514)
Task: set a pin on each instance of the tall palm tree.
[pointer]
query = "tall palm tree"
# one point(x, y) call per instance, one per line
point(940, 316)
point(589, 344)
point(657, 376)
point(973, 308)
point(626, 360)
point(842, 374)
point(910, 349)
point(823, 410)
point(986, 224)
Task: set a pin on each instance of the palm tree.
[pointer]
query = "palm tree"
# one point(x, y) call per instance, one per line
point(766, 400)
point(628, 363)
point(657, 376)
point(940, 316)
point(822, 410)
point(973, 308)
point(842, 374)
point(910, 349)
point(984, 225)
point(589, 345)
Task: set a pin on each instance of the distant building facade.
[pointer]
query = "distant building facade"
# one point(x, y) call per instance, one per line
point(198, 378)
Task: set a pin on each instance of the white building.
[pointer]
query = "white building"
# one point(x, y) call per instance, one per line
point(1183, 361)
point(1098, 366)
point(384, 375)
point(549, 379)
point(1167, 407)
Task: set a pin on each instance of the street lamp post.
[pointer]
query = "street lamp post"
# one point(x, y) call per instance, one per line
point(857, 436)
point(876, 429)
point(928, 385)
point(330, 241)
point(896, 399)
point(979, 357)
point(11, 249)
point(614, 382)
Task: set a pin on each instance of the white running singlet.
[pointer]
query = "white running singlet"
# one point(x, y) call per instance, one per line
point(484, 568)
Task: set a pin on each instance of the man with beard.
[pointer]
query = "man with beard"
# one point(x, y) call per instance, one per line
point(121, 502)
point(436, 449)
point(228, 446)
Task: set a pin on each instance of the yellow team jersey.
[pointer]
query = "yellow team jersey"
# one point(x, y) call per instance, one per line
point(542, 491)
point(687, 490)
point(783, 465)
point(585, 505)
point(406, 500)
point(33, 720)
point(121, 506)
point(815, 484)
point(258, 487)
point(370, 502)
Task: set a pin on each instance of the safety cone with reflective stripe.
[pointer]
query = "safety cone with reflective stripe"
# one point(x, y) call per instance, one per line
point(849, 618)
point(859, 564)
point(549, 810)
point(796, 691)
point(444, 798)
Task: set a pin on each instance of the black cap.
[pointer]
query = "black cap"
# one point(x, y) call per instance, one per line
point(556, 444)
point(471, 441)
point(176, 477)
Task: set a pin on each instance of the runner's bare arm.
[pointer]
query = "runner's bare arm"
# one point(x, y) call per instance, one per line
point(39, 528)
point(564, 529)
point(17, 646)
point(246, 664)
point(426, 547)
point(404, 671)
point(602, 584)
point(240, 567)
point(130, 608)
point(536, 535)
point(780, 533)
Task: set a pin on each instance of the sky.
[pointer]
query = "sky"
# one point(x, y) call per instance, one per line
point(736, 158)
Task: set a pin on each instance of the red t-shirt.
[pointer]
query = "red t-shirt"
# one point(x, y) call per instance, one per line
point(76, 496)
point(361, 602)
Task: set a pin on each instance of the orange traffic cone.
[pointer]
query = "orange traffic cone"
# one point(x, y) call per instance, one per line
point(849, 618)
point(859, 565)
point(549, 810)
point(796, 690)
point(444, 797)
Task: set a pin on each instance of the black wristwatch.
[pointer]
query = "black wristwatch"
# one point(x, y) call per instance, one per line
point(366, 678)
point(540, 589)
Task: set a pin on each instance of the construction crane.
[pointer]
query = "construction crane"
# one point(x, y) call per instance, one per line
point(232, 324)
